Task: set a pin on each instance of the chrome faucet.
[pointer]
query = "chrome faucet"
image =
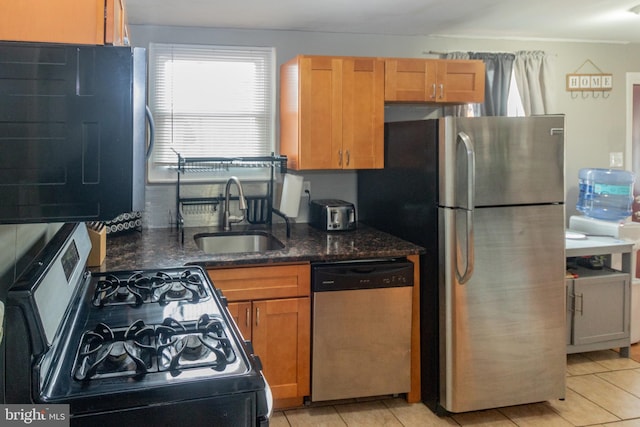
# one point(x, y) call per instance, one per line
point(227, 218)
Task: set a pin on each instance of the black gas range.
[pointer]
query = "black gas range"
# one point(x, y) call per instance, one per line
point(148, 348)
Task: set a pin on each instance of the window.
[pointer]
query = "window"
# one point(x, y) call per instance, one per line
point(210, 101)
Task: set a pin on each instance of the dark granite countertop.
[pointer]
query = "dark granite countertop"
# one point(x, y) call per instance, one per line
point(162, 248)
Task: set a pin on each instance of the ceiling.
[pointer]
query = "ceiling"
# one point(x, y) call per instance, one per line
point(565, 20)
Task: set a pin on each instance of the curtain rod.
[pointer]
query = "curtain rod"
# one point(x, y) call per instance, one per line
point(435, 52)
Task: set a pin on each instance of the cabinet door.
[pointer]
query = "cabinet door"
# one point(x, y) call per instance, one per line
point(115, 23)
point(320, 112)
point(59, 21)
point(409, 80)
point(241, 313)
point(601, 308)
point(460, 81)
point(281, 338)
point(362, 114)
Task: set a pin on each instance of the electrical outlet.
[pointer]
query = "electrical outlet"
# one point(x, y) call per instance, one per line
point(306, 187)
point(615, 160)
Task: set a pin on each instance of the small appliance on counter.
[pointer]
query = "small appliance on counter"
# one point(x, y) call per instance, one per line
point(332, 215)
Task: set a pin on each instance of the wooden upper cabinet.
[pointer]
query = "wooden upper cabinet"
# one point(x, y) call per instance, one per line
point(460, 81)
point(434, 80)
point(362, 114)
point(409, 80)
point(331, 112)
point(94, 22)
point(116, 32)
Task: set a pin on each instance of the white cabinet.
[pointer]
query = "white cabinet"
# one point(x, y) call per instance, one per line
point(598, 300)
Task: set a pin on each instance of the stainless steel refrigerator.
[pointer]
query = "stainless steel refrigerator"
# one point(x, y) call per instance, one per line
point(485, 197)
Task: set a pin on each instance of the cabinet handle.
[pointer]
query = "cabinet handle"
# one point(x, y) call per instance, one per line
point(339, 157)
point(575, 306)
point(257, 316)
point(433, 92)
point(441, 90)
point(247, 317)
point(581, 296)
point(348, 157)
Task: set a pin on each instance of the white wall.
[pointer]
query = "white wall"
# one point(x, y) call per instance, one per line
point(594, 126)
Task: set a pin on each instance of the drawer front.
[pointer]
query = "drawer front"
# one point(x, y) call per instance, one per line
point(262, 282)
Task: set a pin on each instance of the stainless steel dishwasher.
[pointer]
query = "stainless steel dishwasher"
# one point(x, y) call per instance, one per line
point(361, 339)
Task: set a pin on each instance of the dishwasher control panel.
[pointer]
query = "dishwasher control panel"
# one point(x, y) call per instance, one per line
point(326, 277)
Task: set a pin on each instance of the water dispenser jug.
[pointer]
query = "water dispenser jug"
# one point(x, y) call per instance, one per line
point(605, 193)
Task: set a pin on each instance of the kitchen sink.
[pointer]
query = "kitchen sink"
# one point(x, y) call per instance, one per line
point(237, 241)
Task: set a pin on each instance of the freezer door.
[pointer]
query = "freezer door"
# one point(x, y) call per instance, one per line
point(518, 160)
point(503, 331)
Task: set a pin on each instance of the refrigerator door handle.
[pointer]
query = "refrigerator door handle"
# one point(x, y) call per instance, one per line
point(471, 170)
point(470, 259)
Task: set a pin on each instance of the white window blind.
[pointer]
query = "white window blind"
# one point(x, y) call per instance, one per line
point(210, 101)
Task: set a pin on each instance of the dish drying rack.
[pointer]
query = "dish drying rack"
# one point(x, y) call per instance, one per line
point(260, 208)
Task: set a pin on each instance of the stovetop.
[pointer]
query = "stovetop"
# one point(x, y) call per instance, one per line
point(145, 336)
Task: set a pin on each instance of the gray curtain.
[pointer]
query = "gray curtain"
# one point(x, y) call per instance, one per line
point(534, 73)
point(499, 67)
point(464, 110)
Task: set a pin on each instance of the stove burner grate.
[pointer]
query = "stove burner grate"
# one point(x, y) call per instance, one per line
point(204, 343)
point(141, 288)
point(105, 352)
point(139, 349)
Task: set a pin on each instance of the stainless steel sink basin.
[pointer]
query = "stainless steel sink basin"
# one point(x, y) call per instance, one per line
point(237, 241)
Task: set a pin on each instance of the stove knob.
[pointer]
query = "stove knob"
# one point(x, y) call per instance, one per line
point(222, 298)
point(258, 362)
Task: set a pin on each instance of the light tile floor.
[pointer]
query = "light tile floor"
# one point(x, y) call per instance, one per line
point(602, 389)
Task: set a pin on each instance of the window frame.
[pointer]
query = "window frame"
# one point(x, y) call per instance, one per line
point(162, 172)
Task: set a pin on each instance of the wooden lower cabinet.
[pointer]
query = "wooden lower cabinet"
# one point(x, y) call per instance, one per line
point(271, 307)
point(241, 313)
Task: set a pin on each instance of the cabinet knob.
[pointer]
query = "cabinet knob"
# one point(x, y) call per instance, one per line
point(340, 158)
point(433, 92)
point(441, 90)
point(348, 157)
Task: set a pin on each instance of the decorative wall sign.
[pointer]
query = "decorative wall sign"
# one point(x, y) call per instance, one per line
point(589, 82)
point(581, 82)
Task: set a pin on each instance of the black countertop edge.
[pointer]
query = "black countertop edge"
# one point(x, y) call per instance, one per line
point(163, 248)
